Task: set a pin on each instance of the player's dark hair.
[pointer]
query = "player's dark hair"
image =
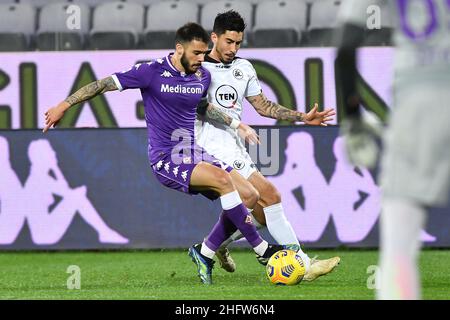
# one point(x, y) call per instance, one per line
point(191, 31)
point(228, 21)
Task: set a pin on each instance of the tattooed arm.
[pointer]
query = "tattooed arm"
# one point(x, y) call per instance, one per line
point(273, 110)
point(89, 91)
point(214, 113)
point(270, 109)
point(204, 108)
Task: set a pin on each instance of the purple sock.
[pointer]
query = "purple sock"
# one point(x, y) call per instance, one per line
point(221, 231)
point(243, 221)
point(229, 221)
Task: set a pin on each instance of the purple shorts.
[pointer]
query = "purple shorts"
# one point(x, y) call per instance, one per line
point(175, 170)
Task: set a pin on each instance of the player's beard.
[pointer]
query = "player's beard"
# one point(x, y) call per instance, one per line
point(186, 65)
point(224, 58)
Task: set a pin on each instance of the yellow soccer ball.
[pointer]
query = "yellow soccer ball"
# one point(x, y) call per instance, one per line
point(285, 267)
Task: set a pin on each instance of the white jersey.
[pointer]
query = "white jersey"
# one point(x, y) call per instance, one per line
point(421, 35)
point(230, 84)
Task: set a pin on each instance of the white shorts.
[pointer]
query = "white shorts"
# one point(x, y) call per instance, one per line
point(416, 160)
point(225, 145)
point(235, 157)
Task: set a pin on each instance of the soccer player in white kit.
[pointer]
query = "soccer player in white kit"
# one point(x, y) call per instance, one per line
point(234, 79)
point(415, 164)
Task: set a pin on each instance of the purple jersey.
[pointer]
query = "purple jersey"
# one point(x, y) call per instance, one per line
point(170, 100)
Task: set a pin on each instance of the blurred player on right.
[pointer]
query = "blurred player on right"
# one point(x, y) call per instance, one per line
point(415, 167)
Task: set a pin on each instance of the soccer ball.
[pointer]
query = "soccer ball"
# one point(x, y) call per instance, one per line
point(285, 267)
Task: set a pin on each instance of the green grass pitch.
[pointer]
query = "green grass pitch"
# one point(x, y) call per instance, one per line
point(171, 275)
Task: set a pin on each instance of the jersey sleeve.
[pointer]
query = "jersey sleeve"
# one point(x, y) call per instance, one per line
point(138, 76)
point(206, 82)
point(253, 86)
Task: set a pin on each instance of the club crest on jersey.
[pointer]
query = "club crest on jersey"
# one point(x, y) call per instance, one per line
point(238, 164)
point(198, 74)
point(248, 219)
point(237, 73)
point(226, 96)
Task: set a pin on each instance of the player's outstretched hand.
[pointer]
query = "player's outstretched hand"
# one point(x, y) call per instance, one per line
point(53, 115)
point(248, 134)
point(315, 118)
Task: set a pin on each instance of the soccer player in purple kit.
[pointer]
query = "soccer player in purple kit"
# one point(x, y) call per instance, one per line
point(172, 88)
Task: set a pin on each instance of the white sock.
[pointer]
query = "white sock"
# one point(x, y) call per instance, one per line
point(207, 252)
point(238, 235)
point(261, 248)
point(281, 230)
point(400, 225)
point(230, 200)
